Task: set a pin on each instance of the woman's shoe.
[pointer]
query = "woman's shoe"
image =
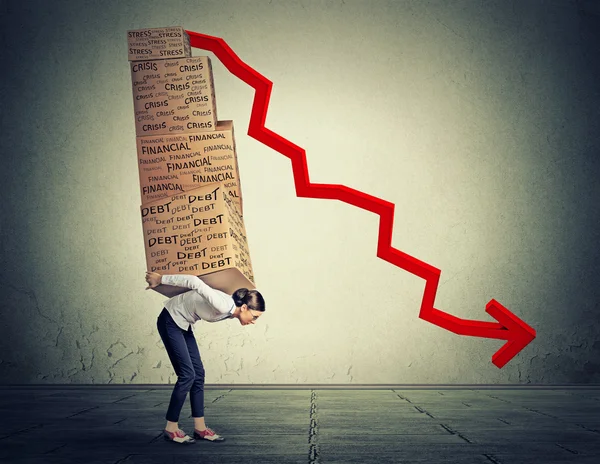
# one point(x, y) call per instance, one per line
point(178, 437)
point(207, 434)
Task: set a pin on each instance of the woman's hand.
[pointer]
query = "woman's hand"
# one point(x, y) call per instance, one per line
point(153, 279)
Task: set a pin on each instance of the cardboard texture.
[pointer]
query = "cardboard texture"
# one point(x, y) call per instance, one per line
point(172, 164)
point(199, 232)
point(173, 96)
point(158, 43)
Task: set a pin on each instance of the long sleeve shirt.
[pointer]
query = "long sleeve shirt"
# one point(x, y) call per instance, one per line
point(203, 302)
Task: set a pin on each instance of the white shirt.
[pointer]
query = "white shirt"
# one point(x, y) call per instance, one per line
point(203, 302)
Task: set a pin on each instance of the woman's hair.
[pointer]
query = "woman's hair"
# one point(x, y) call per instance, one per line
point(252, 298)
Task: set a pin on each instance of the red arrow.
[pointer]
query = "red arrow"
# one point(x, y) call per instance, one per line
point(509, 327)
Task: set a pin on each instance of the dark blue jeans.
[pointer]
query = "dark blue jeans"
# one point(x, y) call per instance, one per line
point(184, 355)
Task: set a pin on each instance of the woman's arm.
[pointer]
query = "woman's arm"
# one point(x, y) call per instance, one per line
point(187, 281)
point(153, 279)
point(217, 299)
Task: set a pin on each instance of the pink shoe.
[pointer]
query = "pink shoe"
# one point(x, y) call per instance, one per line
point(178, 437)
point(207, 434)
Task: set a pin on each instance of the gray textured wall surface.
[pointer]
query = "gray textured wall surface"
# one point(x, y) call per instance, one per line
point(478, 120)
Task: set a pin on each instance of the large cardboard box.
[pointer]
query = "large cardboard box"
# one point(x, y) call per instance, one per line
point(173, 96)
point(199, 232)
point(158, 43)
point(172, 164)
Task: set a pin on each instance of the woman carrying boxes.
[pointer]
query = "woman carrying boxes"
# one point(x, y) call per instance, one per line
point(182, 152)
point(175, 329)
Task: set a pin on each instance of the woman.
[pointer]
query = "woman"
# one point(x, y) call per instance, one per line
point(175, 329)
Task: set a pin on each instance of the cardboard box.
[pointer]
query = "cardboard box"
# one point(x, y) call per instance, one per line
point(173, 96)
point(158, 43)
point(201, 233)
point(172, 164)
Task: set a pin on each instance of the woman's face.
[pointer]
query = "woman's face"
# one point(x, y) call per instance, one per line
point(247, 315)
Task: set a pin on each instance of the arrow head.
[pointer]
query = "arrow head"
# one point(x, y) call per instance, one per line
point(518, 337)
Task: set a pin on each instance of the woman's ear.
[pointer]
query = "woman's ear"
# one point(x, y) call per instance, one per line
point(244, 307)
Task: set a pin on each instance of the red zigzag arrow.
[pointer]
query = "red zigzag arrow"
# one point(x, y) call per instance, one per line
point(509, 327)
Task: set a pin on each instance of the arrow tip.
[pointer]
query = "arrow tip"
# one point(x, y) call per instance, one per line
point(520, 334)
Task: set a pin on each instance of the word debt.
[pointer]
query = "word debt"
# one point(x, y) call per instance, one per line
point(182, 266)
point(165, 207)
point(184, 239)
point(187, 240)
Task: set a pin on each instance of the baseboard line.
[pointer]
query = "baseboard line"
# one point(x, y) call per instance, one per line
point(284, 386)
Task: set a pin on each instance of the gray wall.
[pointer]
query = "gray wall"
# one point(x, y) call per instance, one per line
point(478, 120)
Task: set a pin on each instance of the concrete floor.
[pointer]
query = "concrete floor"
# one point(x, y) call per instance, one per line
point(119, 425)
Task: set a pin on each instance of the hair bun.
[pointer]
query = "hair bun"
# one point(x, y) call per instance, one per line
point(239, 296)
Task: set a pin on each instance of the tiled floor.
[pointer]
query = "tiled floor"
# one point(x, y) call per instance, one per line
point(117, 425)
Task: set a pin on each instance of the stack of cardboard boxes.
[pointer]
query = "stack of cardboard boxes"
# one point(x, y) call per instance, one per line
point(192, 214)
